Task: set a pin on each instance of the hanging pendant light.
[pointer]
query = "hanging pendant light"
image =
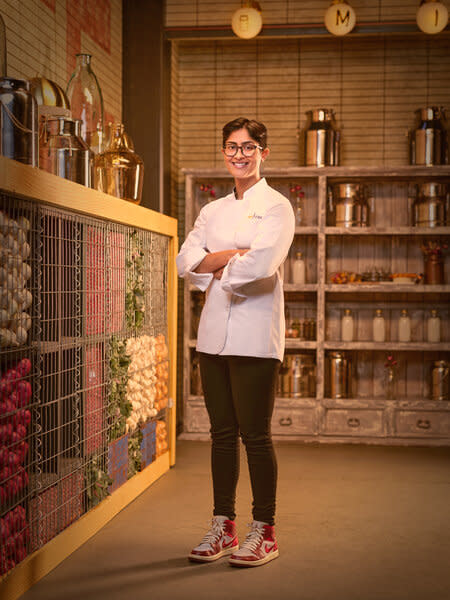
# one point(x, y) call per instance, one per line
point(246, 22)
point(432, 16)
point(340, 18)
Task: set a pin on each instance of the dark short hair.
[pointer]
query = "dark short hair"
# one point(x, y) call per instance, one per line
point(256, 130)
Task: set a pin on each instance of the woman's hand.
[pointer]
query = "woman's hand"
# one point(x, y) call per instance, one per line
point(218, 274)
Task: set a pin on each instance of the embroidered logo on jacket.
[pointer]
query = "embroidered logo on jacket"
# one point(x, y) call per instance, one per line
point(254, 217)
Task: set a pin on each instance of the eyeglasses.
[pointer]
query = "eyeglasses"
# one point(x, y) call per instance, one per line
point(247, 149)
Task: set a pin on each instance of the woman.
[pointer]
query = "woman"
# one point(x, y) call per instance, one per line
point(235, 253)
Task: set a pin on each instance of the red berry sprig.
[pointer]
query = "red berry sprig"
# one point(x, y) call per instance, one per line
point(207, 187)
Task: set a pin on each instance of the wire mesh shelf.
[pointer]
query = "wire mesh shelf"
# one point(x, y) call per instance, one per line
point(83, 366)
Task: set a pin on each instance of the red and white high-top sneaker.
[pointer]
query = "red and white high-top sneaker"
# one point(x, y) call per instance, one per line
point(220, 540)
point(259, 547)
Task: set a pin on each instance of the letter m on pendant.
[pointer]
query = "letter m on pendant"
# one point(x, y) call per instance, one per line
point(342, 20)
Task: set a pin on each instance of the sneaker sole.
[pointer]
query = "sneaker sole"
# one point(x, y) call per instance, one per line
point(237, 562)
point(224, 552)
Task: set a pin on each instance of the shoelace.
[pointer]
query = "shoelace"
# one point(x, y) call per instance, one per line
point(254, 538)
point(214, 533)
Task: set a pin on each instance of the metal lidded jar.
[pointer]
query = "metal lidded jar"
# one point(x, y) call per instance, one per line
point(349, 205)
point(63, 152)
point(321, 139)
point(429, 207)
point(428, 142)
point(18, 121)
point(340, 375)
point(297, 378)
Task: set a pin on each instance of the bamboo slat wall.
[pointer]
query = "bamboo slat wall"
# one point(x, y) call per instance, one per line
point(374, 83)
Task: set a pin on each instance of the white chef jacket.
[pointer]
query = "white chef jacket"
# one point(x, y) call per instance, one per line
point(243, 313)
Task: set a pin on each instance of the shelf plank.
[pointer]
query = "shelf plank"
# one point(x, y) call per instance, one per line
point(358, 231)
point(295, 287)
point(307, 230)
point(399, 346)
point(294, 344)
point(390, 288)
point(411, 403)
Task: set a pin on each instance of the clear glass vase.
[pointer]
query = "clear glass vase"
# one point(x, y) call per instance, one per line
point(119, 171)
point(2, 48)
point(86, 102)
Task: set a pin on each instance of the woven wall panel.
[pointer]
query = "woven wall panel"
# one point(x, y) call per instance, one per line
point(211, 12)
point(374, 84)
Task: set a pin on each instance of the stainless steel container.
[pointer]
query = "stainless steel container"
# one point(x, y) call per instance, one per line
point(18, 121)
point(349, 205)
point(440, 380)
point(297, 378)
point(430, 205)
point(63, 152)
point(340, 375)
point(428, 142)
point(321, 139)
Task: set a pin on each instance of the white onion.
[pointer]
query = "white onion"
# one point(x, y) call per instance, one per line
point(21, 335)
point(25, 250)
point(24, 223)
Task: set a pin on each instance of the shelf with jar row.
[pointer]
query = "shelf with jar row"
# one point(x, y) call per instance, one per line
point(364, 236)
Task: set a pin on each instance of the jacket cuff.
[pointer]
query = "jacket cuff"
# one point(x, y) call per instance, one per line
point(200, 280)
point(225, 280)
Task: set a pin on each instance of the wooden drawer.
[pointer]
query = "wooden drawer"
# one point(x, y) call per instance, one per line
point(353, 422)
point(294, 421)
point(196, 418)
point(421, 423)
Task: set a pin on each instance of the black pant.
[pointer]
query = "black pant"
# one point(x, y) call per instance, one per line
point(239, 396)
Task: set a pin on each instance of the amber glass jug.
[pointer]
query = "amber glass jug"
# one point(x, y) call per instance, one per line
point(119, 171)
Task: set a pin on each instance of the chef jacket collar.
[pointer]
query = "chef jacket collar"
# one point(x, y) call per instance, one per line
point(257, 187)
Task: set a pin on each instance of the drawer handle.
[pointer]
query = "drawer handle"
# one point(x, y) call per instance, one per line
point(423, 424)
point(285, 422)
point(353, 422)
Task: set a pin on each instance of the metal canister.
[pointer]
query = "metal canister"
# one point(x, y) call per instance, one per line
point(340, 375)
point(440, 380)
point(349, 205)
point(430, 205)
point(428, 142)
point(321, 139)
point(18, 121)
point(63, 152)
point(297, 378)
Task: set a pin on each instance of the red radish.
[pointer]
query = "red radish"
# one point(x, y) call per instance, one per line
point(24, 367)
point(4, 456)
point(6, 408)
point(4, 530)
point(22, 450)
point(5, 472)
point(14, 459)
point(21, 553)
point(5, 387)
point(13, 377)
point(21, 431)
point(22, 417)
point(23, 392)
point(3, 496)
point(6, 433)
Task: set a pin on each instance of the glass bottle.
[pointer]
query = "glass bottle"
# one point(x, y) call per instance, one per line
point(379, 327)
point(347, 326)
point(119, 171)
point(299, 211)
point(404, 327)
point(2, 47)
point(434, 327)
point(299, 270)
point(86, 102)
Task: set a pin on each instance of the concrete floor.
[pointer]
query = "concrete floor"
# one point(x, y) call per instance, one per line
point(354, 523)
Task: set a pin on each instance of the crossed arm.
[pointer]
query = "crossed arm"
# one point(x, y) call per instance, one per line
point(215, 262)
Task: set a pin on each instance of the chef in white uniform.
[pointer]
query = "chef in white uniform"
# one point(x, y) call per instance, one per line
point(235, 254)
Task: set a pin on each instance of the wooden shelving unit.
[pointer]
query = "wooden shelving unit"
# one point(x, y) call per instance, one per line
point(390, 242)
